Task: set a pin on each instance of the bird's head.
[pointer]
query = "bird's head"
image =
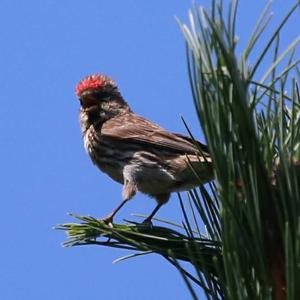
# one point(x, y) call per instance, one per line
point(97, 88)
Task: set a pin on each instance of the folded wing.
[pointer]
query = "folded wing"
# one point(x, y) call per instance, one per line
point(138, 130)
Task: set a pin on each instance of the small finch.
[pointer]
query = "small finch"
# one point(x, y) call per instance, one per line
point(134, 151)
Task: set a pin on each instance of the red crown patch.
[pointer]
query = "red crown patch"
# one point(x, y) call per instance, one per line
point(92, 82)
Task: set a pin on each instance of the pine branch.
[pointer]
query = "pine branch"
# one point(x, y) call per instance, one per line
point(250, 132)
point(201, 252)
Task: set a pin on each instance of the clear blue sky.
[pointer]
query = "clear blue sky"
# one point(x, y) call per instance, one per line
point(46, 47)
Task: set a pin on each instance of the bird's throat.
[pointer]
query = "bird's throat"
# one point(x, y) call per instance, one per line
point(96, 115)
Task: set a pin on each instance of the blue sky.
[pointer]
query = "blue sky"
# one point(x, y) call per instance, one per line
point(46, 48)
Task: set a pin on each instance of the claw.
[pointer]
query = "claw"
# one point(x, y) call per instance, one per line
point(148, 222)
point(108, 221)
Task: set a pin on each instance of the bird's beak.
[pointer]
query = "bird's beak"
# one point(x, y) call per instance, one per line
point(87, 99)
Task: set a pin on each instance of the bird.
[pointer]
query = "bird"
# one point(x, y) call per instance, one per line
point(134, 151)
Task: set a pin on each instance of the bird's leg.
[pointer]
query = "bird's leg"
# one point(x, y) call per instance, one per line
point(109, 219)
point(129, 191)
point(161, 199)
point(149, 218)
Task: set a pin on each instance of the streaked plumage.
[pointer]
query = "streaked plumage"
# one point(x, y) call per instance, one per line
point(134, 151)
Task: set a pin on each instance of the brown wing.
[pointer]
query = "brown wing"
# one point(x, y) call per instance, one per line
point(196, 143)
point(138, 130)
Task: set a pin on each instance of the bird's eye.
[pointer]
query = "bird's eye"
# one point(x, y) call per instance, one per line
point(103, 95)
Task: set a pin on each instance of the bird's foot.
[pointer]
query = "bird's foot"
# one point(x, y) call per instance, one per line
point(108, 220)
point(148, 222)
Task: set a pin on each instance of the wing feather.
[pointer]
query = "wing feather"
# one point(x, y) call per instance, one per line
point(138, 130)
